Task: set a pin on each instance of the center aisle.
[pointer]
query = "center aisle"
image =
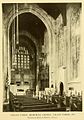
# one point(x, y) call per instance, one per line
point(29, 104)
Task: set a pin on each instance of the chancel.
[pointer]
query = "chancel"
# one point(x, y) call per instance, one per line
point(41, 57)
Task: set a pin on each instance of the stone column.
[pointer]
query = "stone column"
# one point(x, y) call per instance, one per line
point(9, 58)
point(9, 63)
point(50, 63)
point(54, 56)
point(37, 71)
point(81, 62)
point(46, 46)
point(51, 54)
point(68, 49)
point(53, 62)
point(65, 58)
point(5, 61)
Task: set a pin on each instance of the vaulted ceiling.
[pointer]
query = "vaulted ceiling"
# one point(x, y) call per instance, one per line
point(31, 23)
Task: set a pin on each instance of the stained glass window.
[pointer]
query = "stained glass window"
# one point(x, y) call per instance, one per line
point(22, 58)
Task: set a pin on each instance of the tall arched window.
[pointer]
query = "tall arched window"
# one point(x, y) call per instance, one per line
point(22, 58)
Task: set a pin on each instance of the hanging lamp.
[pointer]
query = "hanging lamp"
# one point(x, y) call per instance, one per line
point(14, 29)
point(17, 31)
point(13, 38)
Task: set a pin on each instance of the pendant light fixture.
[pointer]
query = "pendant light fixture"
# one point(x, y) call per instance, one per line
point(14, 30)
point(17, 31)
point(13, 37)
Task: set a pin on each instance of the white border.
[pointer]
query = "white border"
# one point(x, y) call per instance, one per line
point(42, 115)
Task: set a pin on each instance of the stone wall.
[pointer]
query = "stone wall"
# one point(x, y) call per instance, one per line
point(60, 51)
point(73, 44)
point(75, 39)
point(67, 42)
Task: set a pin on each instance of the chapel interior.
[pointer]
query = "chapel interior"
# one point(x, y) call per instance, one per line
point(41, 56)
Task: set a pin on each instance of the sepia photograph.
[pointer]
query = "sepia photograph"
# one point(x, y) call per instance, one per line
point(41, 57)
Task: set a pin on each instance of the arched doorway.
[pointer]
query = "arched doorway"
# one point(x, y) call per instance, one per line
point(28, 41)
point(61, 88)
point(35, 11)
